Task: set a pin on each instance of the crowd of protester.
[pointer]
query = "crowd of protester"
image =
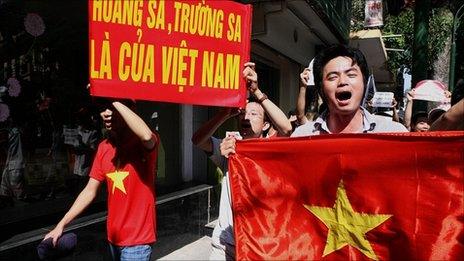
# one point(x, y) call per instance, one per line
point(336, 82)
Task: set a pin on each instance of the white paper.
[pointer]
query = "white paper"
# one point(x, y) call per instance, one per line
point(382, 99)
point(234, 134)
point(311, 73)
point(430, 92)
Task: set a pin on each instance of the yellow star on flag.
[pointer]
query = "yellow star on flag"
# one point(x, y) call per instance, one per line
point(118, 180)
point(347, 227)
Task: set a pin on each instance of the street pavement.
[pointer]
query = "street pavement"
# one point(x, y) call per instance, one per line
point(197, 250)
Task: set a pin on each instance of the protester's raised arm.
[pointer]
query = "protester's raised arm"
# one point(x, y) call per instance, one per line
point(301, 101)
point(84, 199)
point(408, 110)
point(395, 116)
point(202, 137)
point(453, 119)
point(137, 125)
point(276, 115)
point(300, 106)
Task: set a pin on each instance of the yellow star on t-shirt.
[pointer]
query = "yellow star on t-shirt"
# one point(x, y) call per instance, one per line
point(347, 227)
point(118, 180)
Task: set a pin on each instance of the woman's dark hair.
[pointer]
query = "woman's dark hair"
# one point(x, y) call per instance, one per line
point(335, 51)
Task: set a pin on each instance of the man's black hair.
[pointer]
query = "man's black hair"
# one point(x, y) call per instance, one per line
point(266, 118)
point(291, 113)
point(252, 98)
point(335, 51)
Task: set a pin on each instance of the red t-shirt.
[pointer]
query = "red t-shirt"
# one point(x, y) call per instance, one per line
point(131, 195)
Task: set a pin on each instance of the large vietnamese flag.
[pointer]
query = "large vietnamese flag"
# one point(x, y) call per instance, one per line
point(338, 197)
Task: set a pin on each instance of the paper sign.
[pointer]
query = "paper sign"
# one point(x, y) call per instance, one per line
point(382, 99)
point(311, 74)
point(70, 136)
point(430, 90)
point(373, 13)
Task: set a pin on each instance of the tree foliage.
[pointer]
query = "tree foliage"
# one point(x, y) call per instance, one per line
point(403, 24)
point(440, 24)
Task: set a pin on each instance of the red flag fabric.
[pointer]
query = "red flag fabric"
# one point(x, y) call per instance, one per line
point(352, 196)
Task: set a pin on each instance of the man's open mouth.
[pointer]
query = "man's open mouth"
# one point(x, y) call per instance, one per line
point(343, 96)
point(245, 124)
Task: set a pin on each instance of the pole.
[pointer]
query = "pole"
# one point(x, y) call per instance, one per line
point(420, 47)
point(456, 24)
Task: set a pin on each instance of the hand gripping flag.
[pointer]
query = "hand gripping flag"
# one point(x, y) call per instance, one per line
point(354, 196)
